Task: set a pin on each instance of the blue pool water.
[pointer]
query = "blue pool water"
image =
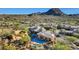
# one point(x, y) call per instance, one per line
point(34, 38)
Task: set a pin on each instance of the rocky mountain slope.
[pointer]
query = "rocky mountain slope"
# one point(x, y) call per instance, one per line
point(54, 11)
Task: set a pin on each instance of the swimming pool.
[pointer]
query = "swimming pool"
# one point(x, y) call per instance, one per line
point(34, 38)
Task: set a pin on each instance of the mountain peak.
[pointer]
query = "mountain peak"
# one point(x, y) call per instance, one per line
point(54, 11)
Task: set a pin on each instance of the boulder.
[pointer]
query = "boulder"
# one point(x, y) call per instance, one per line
point(36, 29)
point(70, 33)
point(64, 26)
point(46, 35)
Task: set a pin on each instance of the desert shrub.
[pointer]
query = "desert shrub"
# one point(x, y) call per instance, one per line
point(70, 38)
point(25, 37)
point(16, 26)
point(76, 35)
point(25, 29)
point(62, 46)
point(5, 31)
point(9, 47)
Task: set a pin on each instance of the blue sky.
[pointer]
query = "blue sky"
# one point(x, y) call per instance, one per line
point(33, 10)
point(70, 10)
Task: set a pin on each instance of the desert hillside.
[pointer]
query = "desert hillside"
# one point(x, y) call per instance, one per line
point(16, 35)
